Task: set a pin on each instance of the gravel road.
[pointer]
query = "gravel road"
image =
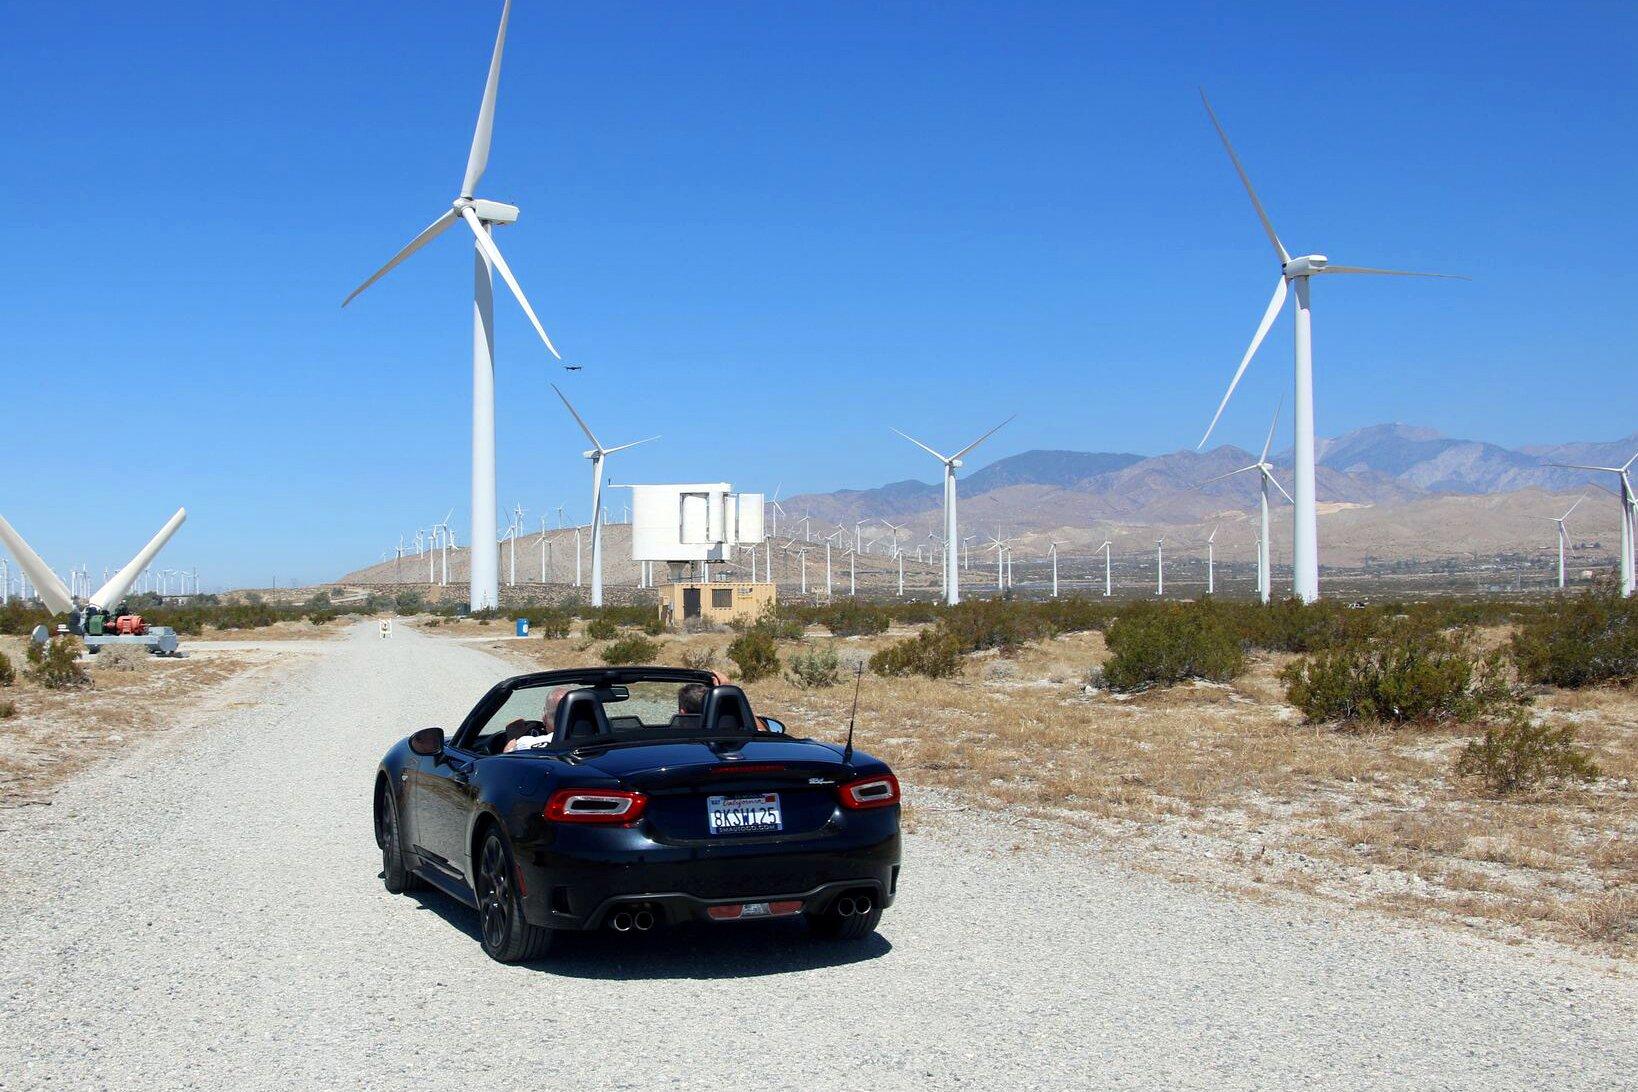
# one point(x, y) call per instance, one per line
point(206, 913)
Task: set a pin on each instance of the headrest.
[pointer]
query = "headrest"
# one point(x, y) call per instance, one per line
point(580, 716)
point(727, 710)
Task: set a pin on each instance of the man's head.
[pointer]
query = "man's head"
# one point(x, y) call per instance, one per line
point(691, 699)
point(553, 700)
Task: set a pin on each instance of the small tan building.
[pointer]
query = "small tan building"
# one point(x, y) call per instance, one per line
point(716, 603)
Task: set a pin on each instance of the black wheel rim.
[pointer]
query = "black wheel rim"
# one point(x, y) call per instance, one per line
point(495, 895)
point(389, 836)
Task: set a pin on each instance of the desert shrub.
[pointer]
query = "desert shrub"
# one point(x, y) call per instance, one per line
point(55, 665)
point(1406, 675)
point(18, 618)
point(322, 616)
point(652, 625)
point(1290, 625)
point(753, 652)
point(1588, 640)
point(992, 623)
point(915, 612)
point(409, 602)
point(1518, 753)
point(702, 659)
point(1074, 614)
point(780, 625)
point(632, 649)
point(816, 668)
point(8, 672)
point(601, 629)
point(1165, 643)
point(552, 625)
point(854, 618)
point(933, 652)
point(435, 620)
point(8, 709)
point(123, 657)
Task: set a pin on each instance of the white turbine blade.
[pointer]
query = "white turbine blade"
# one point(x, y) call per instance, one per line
point(984, 437)
point(923, 446)
point(492, 252)
point(1580, 466)
point(1272, 425)
point(478, 159)
point(1392, 272)
point(622, 447)
point(1230, 474)
point(429, 233)
point(109, 595)
point(1269, 315)
point(579, 419)
point(1276, 483)
point(1573, 507)
point(1245, 179)
point(53, 592)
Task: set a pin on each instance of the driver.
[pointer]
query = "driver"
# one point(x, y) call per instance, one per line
point(524, 735)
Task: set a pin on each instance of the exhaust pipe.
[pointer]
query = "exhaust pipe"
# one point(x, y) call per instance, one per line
point(845, 907)
point(861, 905)
point(621, 922)
point(643, 921)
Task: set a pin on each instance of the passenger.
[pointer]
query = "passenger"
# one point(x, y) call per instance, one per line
point(525, 735)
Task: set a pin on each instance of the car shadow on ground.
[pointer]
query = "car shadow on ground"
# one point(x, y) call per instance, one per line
point(693, 950)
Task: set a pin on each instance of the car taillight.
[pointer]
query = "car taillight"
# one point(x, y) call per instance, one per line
point(877, 791)
point(613, 806)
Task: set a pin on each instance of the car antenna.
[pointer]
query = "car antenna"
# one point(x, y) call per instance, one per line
point(858, 679)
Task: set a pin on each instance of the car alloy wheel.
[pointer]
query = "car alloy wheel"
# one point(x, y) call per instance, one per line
point(495, 894)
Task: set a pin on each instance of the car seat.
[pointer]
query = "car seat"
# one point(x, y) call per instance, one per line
point(580, 716)
point(726, 711)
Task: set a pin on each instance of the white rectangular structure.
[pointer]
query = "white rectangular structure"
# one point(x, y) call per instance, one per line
point(692, 522)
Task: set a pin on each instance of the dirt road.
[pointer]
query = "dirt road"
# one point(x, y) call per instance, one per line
point(206, 913)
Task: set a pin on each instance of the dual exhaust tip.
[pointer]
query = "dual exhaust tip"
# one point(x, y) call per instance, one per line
point(625, 921)
point(849, 905)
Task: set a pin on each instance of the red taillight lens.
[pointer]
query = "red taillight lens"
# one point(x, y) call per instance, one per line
point(877, 791)
point(612, 806)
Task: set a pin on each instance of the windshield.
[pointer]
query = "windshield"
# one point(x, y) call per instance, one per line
point(654, 705)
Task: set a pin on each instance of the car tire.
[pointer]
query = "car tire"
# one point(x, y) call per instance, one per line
point(833, 926)
point(507, 936)
point(389, 834)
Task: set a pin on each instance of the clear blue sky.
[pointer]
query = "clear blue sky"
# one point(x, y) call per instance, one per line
point(843, 216)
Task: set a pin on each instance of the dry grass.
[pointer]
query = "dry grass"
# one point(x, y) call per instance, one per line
point(57, 733)
point(1226, 783)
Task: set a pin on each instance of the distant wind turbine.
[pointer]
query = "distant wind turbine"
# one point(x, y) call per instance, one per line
point(1295, 272)
point(952, 575)
point(1629, 516)
point(1558, 523)
point(1265, 474)
point(597, 454)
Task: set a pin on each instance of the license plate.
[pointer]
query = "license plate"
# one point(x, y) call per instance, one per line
point(756, 814)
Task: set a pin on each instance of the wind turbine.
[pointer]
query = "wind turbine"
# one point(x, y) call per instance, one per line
point(597, 454)
point(1629, 516)
point(481, 216)
point(952, 576)
point(1265, 474)
point(1211, 562)
point(776, 509)
point(1054, 552)
point(1160, 566)
point(1108, 569)
point(1295, 272)
point(1558, 522)
point(106, 599)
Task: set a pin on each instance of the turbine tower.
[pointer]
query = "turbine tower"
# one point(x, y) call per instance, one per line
point(597, 454)
point(1265, 474)
point(481, 216)
point(1629, 517)
point(952, 575)
point(1296, 273)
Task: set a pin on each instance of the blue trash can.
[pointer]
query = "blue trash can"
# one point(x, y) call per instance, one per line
point(523, 627)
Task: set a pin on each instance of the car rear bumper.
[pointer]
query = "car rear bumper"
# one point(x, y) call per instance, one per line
point(565, 889)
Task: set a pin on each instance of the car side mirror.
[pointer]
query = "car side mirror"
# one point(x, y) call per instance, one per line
point(428, 742)
point(777, 727)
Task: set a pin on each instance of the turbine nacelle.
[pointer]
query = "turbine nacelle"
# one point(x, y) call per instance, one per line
point(490, 212)
point(1305, 266)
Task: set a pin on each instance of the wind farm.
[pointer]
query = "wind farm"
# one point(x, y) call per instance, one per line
point(954, 632)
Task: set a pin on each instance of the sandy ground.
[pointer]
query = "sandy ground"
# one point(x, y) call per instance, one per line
point(205, 911)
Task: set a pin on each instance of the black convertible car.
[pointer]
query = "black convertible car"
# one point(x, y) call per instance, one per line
point(623, 807)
